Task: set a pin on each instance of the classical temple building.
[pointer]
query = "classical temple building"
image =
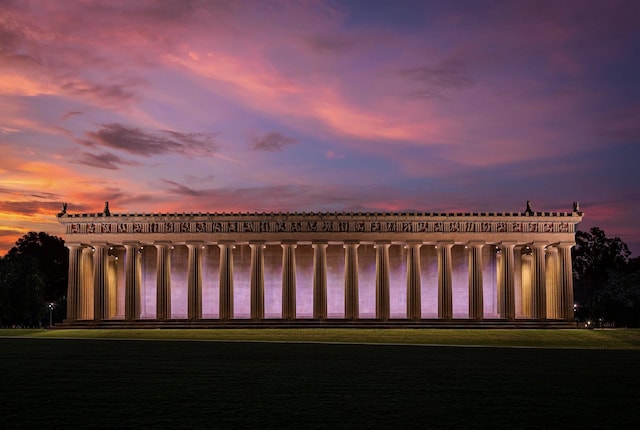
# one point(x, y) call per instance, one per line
point(201, 269)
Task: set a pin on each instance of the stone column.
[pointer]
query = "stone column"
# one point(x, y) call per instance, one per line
point(414, 303)
point(382, 280)
point(194, 280)
point(527, 306)
point(100, 282)
point(351, 294)
point(499, 275)
point(132, 280)
point(257, 280)
point(86, 297)
point(226, 280)
point(538, 278)
point(163, 280)
point(506, 297)
point(553, 292)
point(445, 293)
point(288, 281)
point(74, 286)
point(476, 298)
point(565, 281)
point(320, 280)
point(112, 276)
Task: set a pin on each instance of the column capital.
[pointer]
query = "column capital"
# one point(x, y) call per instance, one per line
point(508, 243)
point(100, 244)
point(253, 244)
point(194, 243)
point(565, 244)
point(385, 243)
point(73, 245)
point(315, 243)
point(293, 243)
point(476, 243)
point(414, 243)
point(445, 244)
point(130, 243)
point(162, 243)
point(538, 244)
point(225, 243)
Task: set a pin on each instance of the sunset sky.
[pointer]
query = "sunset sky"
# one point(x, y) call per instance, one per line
point(319, 106)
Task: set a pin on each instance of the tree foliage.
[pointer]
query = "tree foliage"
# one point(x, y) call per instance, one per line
point(32, 275)
point(606, 281)
point(619, 300)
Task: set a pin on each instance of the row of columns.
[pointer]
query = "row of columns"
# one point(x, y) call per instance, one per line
point(536, 280)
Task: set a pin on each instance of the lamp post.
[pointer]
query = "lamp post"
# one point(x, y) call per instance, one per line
point(50, 315)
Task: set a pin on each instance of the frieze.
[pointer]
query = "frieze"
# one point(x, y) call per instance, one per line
point(305, 226)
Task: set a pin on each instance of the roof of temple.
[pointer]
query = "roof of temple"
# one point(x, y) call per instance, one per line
point(106, 213)
point(320, 214)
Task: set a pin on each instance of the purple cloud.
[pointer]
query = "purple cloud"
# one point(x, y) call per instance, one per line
point(138, 142)
point(451, 74)
point(271, 142)
point(104, 160)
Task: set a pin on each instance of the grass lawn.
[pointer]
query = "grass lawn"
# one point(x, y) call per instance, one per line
point(92, 383)
point(607, 339)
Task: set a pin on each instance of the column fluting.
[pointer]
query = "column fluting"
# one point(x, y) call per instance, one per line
point(553, 292)
point(445, 293)
point(163, 280)
point(351, 293)
point(506, 288)
point(476, 296)
point(257, 280)
point(527, 292)
point(320, 280)
point(194, 280)
point(100, 282)
point(87, 294)
point(226, 280)
point(565, 280)
point(288, 281)
point(74, 285)
point(382, 280)
point(132, 281)
point(538, 278)
point(414, 302)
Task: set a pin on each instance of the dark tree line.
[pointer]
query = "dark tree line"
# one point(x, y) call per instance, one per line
point(606, 280)
point(33, 274)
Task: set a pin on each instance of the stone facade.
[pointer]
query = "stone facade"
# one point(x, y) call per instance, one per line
point(509, 266)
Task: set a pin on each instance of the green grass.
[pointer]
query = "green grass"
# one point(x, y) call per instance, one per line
point(599, 339)
point(91, 383)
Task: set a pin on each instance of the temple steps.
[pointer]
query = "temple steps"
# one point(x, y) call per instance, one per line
point(311, 323)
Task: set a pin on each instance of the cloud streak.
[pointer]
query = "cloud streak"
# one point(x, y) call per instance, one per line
point(451, 74)
point(103, 160)
point(271, 142)
point(138, 142)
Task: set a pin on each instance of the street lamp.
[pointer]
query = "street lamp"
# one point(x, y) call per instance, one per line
point(50, 314)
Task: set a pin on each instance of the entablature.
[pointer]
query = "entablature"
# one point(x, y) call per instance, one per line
point(308, 226)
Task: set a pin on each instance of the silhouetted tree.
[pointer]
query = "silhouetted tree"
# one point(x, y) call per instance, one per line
point(32, 274)
point(619, 300)
point(594, 256)
point(606, 281)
